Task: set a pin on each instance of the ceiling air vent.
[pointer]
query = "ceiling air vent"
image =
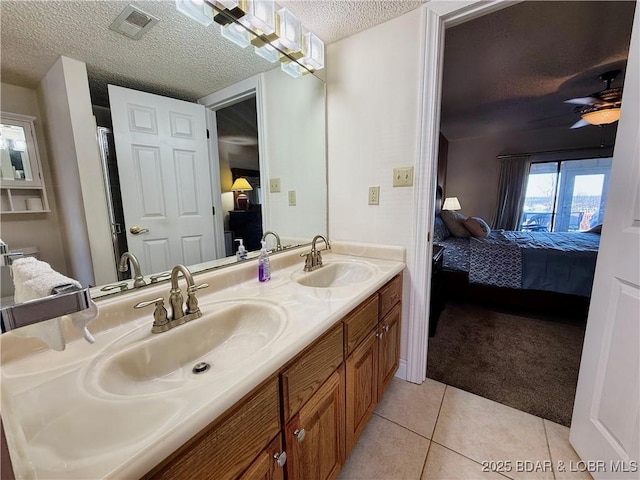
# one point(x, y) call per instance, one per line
point(133, 22)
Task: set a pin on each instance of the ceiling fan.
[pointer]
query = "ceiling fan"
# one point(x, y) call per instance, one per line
point(602, 107)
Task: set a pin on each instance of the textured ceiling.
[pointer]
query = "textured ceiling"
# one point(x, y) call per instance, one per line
point(513, 69)
point(177, 57)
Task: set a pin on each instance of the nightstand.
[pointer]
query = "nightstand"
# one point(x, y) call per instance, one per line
point(437, 289)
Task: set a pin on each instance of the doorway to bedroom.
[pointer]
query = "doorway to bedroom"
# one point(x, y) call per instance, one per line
point(504, 331)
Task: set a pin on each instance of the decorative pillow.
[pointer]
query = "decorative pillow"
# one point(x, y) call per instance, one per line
point(455, 223)
point(477, 226)
point(440, 230)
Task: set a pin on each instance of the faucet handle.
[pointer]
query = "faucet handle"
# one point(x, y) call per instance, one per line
point(122, 286)
point(159, 276)
point(160, 315)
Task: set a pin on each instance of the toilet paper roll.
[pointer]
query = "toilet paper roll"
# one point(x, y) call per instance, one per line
point(34, 203)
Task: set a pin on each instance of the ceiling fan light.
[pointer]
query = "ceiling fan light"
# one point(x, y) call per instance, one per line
point(602, 117)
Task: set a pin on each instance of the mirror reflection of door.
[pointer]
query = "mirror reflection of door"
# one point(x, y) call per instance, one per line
point(237, 131)
point(163, 165)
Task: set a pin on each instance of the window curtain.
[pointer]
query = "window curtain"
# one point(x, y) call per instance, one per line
point(512, 188)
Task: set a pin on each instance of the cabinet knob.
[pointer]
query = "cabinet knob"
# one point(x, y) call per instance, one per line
point(385, 328)
point(380, 335)
point(280, 458)
point(300, 433)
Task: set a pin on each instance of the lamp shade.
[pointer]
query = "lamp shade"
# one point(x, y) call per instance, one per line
point(603, 116)
point(241, 185)
point(451, 203)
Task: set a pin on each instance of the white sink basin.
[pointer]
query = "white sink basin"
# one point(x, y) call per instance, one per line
point(228, 335)
point(336, 274)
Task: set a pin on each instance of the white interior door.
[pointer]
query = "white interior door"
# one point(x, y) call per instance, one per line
point(163, 165)
point(606, 415)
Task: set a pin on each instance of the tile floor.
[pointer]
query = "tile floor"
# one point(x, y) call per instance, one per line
point(434, 431)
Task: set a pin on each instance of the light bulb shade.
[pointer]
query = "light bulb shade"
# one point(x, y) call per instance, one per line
point(602, 116)
point(289, 31)
point(236, 33)
point(228, 4)
point(293, 69)
point(451, 203)
point(241, 185)
point(313, 52)
point(260, 15)
point(196, 10)
point(268, 53)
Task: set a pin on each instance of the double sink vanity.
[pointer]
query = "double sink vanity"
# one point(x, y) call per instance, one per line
point(273, 377)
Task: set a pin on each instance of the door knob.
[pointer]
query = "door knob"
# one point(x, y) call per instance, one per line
point(136, 230)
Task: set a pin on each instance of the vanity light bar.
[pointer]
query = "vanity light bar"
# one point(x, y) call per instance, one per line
point(276, 35)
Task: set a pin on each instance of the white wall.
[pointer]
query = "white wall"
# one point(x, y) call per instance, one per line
point(294, 114)
point(372, 115)
point(33, 230)
point(472, 168)
point(64, 98)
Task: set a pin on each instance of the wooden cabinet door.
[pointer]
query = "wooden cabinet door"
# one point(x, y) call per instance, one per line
point(388, 347)
point(362, 387)
point(320, 453)
point(265, 466)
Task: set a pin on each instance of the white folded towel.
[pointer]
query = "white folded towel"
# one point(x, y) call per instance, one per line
point(36, 279)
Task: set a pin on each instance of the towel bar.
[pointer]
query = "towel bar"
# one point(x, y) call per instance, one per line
point(64, 302)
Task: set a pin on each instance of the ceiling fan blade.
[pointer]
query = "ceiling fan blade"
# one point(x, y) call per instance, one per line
point(583, 101)
point(580, 123)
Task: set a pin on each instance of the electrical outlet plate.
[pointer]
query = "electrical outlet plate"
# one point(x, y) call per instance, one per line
point(374, 195)
point(292, 198)
point(403, 177)
point(274, 185)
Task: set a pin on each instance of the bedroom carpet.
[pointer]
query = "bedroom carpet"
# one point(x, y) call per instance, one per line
point(526, 362)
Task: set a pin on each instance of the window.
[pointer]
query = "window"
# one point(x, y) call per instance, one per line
point(566, 196)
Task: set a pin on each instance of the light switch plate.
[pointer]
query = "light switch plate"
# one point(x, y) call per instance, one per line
point(292, 198)
point(403, 177)
point(374, 195)
point(274, 185)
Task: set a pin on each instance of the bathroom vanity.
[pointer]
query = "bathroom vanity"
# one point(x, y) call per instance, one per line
point(295, 369)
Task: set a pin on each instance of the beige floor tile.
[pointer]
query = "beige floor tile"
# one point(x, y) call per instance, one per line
point(564, 457)
point(386, 451)
point(444, 464)
point(412, 406)
point(484, 430)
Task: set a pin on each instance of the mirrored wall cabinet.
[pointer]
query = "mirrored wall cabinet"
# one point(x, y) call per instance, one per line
point(21, 185)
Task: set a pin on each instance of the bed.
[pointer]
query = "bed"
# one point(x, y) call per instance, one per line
point(545, 271)
point(555, 262)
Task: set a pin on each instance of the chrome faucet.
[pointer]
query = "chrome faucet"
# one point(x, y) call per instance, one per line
point(278, 244)
point(123, 266)
point(179, 314)
point(313, 259)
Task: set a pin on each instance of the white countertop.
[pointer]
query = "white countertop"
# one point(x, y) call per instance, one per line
point(60, 423)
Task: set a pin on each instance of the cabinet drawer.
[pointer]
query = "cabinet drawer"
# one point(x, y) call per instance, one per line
point(310, 369)
point(390, 294)
point(360, 322)
point(226, 449)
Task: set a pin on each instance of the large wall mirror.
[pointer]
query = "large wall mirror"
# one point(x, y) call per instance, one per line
point(260, 125)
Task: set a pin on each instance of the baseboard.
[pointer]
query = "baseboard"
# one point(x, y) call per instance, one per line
point(402, 370)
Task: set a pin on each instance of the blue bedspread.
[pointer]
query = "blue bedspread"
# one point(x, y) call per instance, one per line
point(558, 262)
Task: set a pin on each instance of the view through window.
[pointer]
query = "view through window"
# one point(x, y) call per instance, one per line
point(566, 196)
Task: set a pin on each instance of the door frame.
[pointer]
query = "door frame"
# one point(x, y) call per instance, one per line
point(216, 101)
point(437, 16)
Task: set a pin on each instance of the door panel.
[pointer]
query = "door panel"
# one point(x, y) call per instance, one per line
point(606, 415)
point(163, 164)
